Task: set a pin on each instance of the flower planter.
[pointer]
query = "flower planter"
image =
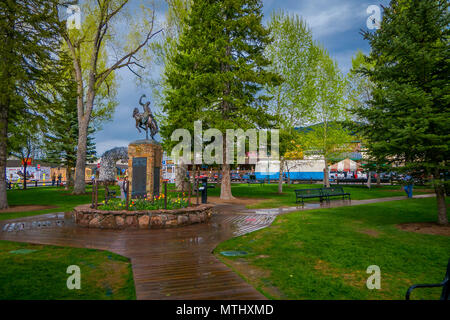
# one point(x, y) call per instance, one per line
point(85, 216)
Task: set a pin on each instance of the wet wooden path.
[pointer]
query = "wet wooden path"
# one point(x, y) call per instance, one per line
point(167, 264)
point(171, 263)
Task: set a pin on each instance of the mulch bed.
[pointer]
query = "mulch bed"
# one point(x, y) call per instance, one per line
point(425, 227)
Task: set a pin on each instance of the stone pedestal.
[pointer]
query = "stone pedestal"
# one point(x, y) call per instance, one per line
point(145, 168)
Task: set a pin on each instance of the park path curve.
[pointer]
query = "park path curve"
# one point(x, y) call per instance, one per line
point(170, 263)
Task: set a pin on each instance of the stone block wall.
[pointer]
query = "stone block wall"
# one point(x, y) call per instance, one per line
point(85, 216)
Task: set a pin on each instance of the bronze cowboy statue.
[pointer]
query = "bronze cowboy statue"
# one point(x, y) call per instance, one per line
point(145, 120)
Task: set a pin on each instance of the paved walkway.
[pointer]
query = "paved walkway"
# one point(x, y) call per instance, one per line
point(170, 263)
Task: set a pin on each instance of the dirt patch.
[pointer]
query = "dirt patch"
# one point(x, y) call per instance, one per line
point(30, 207)
point(370, 232)
point(426, 228)
point(243, 201)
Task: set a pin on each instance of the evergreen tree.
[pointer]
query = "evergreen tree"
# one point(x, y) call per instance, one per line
point(406, 122)
point(219, 71)
point(60, 139)
point(28, 62)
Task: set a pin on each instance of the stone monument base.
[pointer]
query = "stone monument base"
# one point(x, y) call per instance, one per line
point(145, 168)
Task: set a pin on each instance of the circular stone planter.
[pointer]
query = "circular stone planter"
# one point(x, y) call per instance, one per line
point(85, 216)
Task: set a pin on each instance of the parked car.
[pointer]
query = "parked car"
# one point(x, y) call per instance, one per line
point(235, 177)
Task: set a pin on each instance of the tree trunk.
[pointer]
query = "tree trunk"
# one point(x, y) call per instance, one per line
point(180, 177)
point(280, 177)
point(369, 180)
point(79, 187)
point(225, 185)
point(25, 166)
point(326, 180)
point(440, 198)
point(378, 179)
point(3, 153)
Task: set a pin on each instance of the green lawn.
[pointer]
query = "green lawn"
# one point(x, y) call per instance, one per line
point(51, 196)
point(65, 201)
point(324, 254)
point(41, 274)
point(275, 200)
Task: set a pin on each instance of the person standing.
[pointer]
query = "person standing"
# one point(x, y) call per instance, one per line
point(53, 179)
point(408, 187)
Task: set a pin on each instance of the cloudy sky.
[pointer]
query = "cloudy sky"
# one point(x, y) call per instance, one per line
point(335, 23)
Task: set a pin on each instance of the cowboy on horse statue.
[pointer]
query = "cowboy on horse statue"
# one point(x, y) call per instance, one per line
point(145, 120)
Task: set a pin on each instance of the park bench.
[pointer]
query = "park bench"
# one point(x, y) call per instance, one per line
point(445, 284)
point(302, 194)
point(335, 192)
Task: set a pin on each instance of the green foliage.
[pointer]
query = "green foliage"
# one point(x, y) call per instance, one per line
point(294, 56)
point(360, 87)
point(28, 55)
point(407, 118)
point(61, 134)
point(219, 69)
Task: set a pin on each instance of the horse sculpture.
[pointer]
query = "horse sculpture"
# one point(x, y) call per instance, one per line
point(145, 120)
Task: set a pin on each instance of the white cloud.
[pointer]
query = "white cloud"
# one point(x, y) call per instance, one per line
point(330, 17)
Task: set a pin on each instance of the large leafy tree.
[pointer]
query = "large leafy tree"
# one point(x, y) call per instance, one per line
point(219, 71)
point(28, 60)
point(111, 37)
point(328, 137)
point(360, 90)
point(294, 56)
point(406, 122)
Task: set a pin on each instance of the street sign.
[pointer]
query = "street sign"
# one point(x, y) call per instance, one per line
point(98, 165)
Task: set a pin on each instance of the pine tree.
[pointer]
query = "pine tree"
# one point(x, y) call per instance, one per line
point(28, 54)
point(219, 71)
point(61, 137)
point(406, 122)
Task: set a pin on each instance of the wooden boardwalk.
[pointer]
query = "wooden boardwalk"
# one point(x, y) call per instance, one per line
point(167, 264)
point(170, 263)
